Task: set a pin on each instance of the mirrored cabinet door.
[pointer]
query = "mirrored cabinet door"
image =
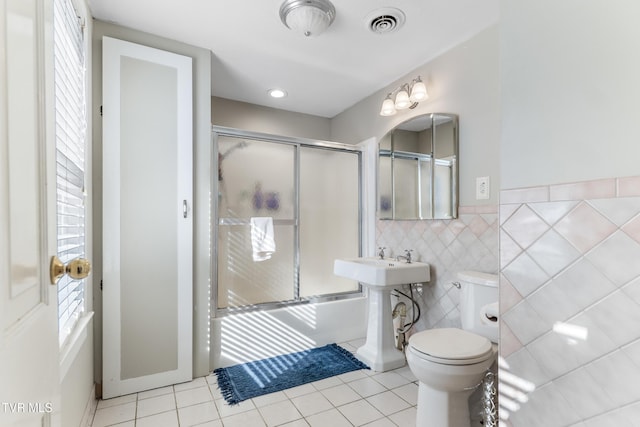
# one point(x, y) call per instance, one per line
point(417, 170)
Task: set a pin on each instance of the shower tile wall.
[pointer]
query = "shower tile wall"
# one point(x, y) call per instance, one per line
point(570, 301)
point(469, 242)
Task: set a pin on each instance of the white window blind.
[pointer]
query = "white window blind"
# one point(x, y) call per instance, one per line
point(70, 118)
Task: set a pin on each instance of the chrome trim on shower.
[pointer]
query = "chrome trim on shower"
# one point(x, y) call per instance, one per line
point(241, 221)
point(216, 220)
point(239, 133)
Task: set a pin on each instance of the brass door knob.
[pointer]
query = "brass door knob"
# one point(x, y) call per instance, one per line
point(77, 269)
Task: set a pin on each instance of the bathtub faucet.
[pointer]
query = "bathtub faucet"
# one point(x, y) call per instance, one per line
point(406, 256)
point(381, 252)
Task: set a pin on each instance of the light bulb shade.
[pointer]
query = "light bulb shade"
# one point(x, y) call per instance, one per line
point(308, 17)
point(402, 100)
point(388, 107)
point(418, 92)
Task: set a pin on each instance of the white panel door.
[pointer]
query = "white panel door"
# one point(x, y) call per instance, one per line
point(147, 221)
point(29, 355)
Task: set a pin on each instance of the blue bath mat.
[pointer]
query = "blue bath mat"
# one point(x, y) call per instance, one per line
point(242, 382)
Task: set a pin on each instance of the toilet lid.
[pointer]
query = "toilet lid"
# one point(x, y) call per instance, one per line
point(451, 346)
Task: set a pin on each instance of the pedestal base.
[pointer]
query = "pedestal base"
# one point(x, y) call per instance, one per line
point(379, 351)
point(381, 360)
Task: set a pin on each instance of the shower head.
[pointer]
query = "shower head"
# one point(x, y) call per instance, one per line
point(238, 146)
point(222, 156)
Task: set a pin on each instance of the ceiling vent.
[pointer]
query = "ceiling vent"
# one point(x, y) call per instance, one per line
point(385, 20)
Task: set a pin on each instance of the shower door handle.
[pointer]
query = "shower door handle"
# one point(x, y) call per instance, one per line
point(185, 208)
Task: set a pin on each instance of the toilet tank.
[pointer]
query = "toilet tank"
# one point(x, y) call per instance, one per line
point(478, 303)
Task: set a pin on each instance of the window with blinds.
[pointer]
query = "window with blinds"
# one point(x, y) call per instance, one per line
point(70, 134)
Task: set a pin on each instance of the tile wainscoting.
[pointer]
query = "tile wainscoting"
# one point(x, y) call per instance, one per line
point(570, 301)
point(469, 242)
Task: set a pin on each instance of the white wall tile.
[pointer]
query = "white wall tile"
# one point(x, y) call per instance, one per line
point(527, 367)
point(619, 210)
point(614, 315)
point(548, 408)
point(551, 212)
point(467, 243)
point(555, 354)
point(584, 227)
point(525, 226)
point(617, 258)
point(553, 253)
point(509, 249)
point(592, 401)
point(584, 283)
point(618, 377)
point(509, 296)
point(615, 418)
point(553, 303)
point(584, 274)
point(632, 289)
point(525, 322)
point(597, 189)
point(525, 275)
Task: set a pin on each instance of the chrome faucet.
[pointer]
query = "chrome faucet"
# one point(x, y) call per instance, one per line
point(406, 256)
point(381, 251)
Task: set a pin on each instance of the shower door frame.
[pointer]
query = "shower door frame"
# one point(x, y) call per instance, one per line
point(298, 143)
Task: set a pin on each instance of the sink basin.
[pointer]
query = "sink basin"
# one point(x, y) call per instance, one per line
point(381, 272)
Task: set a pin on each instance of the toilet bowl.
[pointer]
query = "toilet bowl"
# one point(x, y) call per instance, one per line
point(450, 363)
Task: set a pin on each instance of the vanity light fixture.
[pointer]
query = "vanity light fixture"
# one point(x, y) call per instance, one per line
point(408, 95)
point(309, 17)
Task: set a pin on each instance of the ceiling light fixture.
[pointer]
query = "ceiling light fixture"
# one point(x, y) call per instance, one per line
point(407, 95)
point(309, 17)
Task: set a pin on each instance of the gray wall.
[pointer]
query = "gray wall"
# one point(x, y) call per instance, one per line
point(569, 91)
point(202, 154)
point(256, 118)
point(464, 81)
point(571, 193)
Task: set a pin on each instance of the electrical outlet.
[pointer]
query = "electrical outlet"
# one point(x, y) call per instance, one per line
point(482, 188)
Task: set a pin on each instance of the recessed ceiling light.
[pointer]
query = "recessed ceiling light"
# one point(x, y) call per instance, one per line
point(277, 93)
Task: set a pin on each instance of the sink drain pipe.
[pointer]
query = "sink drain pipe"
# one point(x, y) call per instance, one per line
point(400, 309)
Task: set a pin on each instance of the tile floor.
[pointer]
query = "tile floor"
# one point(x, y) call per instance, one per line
point(359, 398)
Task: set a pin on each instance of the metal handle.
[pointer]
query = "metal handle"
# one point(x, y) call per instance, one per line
point(185, 209)
point(456, 284)
point(77, 269)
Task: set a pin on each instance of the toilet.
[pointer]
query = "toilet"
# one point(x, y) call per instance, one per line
point(450, 363)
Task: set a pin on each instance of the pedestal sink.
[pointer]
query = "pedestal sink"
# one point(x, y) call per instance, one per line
point(381, 276)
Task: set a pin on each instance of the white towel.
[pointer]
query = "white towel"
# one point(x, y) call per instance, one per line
point(263, 241)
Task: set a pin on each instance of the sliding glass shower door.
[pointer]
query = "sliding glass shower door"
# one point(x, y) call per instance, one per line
point(286, 208)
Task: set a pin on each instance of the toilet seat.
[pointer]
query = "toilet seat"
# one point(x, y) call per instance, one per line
point(451, 346)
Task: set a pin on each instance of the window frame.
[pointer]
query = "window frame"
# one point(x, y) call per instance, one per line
point(74, 13)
